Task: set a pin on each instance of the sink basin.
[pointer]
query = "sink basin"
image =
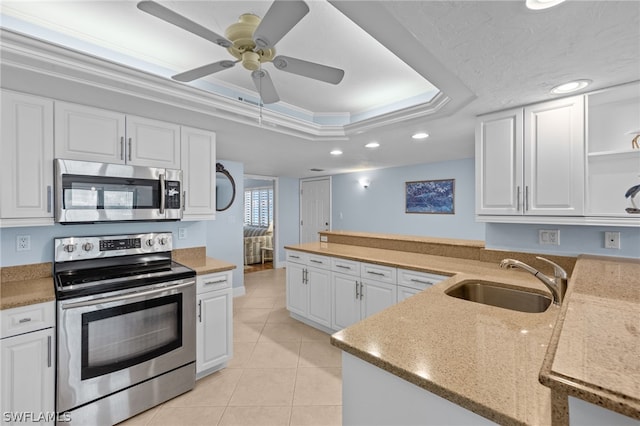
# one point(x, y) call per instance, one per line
point(494, 294)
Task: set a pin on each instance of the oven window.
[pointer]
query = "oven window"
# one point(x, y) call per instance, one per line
point(122, 336)
point(91, 192)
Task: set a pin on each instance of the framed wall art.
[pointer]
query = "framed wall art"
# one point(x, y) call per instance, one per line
point(430, 196)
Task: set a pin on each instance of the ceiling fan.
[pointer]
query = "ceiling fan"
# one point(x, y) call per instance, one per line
point(252, 42)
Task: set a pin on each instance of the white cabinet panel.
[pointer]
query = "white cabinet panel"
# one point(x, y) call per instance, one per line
point(376, 296)
point(297, 293)
point(89, 134)
point(28, 374)
point(309, 287)
point(153, 143)
point(345, 300)
point(26, 160)
point(198, 173)
point(319, 295)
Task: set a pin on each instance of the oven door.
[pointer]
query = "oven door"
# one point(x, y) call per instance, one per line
point(109, 342)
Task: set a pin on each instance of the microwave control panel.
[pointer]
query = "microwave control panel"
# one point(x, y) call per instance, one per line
point(172, 195)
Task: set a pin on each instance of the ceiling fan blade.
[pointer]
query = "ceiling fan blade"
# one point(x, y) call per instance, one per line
point(203, 70)
point(167, 15)
point(265, 86)
point(281, 17)
point(309, 69)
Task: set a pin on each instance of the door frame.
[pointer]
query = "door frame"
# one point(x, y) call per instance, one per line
point(276, 230)
point(300, 202)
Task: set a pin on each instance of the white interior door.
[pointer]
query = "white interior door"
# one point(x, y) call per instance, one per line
point(315, 208)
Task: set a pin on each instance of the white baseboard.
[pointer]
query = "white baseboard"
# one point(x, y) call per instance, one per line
point(239, 291)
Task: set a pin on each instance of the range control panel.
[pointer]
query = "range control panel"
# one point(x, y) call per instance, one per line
point(80, 248)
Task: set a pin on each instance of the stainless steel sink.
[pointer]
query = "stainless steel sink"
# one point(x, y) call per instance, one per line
point(493, 294)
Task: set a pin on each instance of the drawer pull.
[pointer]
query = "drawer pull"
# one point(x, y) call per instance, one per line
point(294, 257)
point(216, 282)
point(415, 280)
point(343, 267)
point(380, 274)
point(23, 320)
point(315, 261)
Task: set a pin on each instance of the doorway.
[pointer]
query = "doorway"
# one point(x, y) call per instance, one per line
point(259, 228)
point(315, 208)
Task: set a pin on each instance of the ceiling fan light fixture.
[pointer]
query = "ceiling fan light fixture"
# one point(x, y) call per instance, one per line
point(280, 63)
point(251, 61)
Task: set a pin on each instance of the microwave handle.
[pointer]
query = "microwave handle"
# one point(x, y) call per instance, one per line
point(162, 193)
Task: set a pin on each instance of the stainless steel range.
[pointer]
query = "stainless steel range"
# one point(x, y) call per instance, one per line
point(125, 326)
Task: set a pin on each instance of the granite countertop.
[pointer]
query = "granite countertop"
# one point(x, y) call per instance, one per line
point(492, 361)
point(595, 350)
point(29, 284)
point(483, 358)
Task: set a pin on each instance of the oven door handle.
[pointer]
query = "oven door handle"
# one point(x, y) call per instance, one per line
point(127, 296)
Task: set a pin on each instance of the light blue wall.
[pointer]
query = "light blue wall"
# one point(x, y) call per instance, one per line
point(224, 235)
point(574, 240)
point(287, 214)
point(381, 206)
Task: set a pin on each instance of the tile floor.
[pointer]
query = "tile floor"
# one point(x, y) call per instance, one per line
point(282, 373)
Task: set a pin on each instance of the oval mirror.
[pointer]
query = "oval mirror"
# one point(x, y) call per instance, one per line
point(225, 188)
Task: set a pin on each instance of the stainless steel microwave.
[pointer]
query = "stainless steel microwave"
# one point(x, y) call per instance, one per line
point(89, 192)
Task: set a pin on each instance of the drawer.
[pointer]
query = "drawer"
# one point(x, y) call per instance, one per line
point(28, 318)
point(344, 266)
point(372, 271)
point(297, 257)
point(211, 282)
point(418, 280)
point(319, 261)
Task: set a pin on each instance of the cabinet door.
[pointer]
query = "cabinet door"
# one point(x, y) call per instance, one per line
point(214, 330)
point(89, 134)
point(152, 143)
point(28, 374)
point(406, 292)
point(198, 173)
point(319, 291)
point(296, 289)
point(555, 157)
point(26, 160)
point(346, 301)
point(499, 157)
point(376, 296)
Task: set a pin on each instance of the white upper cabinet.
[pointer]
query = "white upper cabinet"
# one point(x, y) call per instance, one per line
point(198, 173)
point(26, 160)
point(92, 134)
point(530, 161)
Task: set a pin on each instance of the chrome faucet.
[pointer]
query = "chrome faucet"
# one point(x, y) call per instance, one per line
point(557, 285)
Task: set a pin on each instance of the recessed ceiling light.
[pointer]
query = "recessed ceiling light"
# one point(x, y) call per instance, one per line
point(372, 145)
point(542, 4)
point(420, 135)
point(336, 152)
point(569, 87)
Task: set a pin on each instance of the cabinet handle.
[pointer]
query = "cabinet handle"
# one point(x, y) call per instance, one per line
point(122, 148)
point(199, 310)
point(184, 200)
point(380, 274)
point(129, 149)
point(526, 198)
point(306, 276)
point(216, 282)
point(421, 281)
point(48, 198)
point(49, 348)
point(315, 261)
point(294, 257)
point(361, 291)
point(518, 199)
point(343, 267)
point(357, 294)
point(24, 320)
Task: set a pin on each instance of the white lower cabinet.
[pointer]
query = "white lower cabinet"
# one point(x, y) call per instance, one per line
point(214, 324)
point(355, 297)
point(309, 287)
point(413, 282)
point(27, 355)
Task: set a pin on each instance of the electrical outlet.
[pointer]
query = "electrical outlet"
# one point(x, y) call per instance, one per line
point(612, 240)
point(549, 237)
point(23, 242)
point(182, 233)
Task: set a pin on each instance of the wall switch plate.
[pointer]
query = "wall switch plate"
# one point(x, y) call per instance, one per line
point(612, 240)
point(23, 242)
point(549, 237)
point(182, 233)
